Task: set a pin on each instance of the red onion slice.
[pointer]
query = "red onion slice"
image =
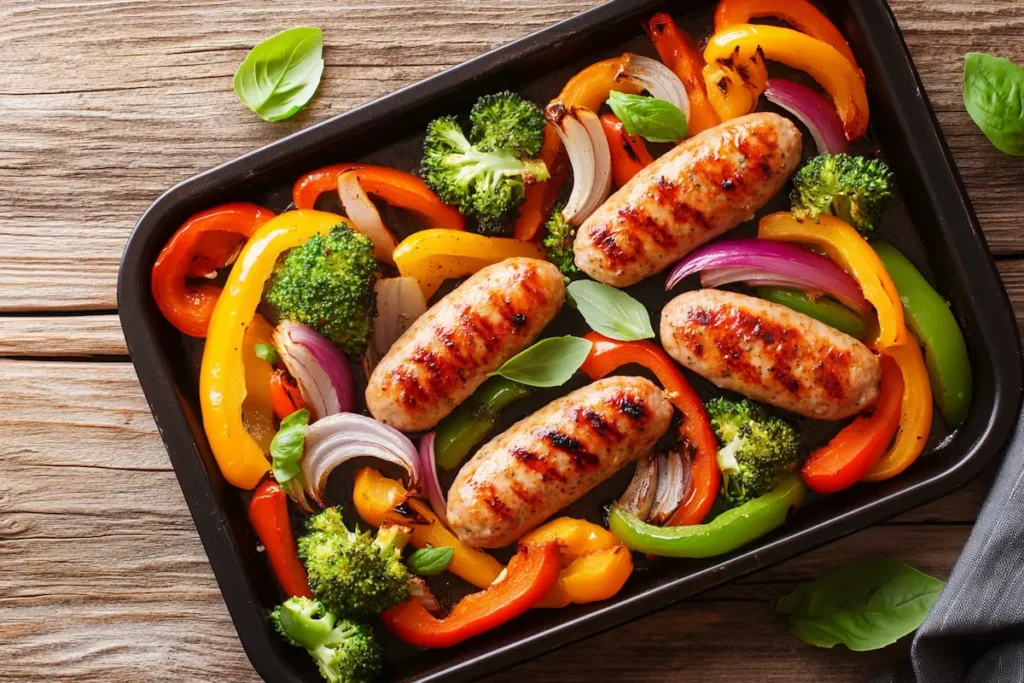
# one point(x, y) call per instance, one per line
point(318, 367)
point(813, 110)
point(431, 484)
point(336, 439)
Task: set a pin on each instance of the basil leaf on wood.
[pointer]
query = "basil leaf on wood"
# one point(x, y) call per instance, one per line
point(994, 97)
point(279, 76)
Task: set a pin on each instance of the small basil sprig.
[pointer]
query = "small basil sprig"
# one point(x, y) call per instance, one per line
point(994, 97)
point(286, 446)
point(279, 76)
point(430, 561)
point(650, 118)
point(611, 311)
point(548, 363)
point(266, 352)
point(865, 606)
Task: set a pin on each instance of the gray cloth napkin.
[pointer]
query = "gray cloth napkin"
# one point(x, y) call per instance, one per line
point(975, 632)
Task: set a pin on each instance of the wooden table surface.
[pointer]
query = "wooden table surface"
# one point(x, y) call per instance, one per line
point(106, 103)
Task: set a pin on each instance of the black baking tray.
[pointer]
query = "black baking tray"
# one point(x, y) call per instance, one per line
point(946, 241)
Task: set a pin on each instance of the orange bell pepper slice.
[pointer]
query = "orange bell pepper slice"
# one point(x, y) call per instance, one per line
point(855, 450)
point(679, 53)
point(285, 395)
point(915, 413)
point(736, 50)
point(394, 187)
point(698, 439)
point(846, 247)
point(379, 499)
point(203, 243)
point(268, 514)
point(800, 14)
point(629, 153)
point(528, 578)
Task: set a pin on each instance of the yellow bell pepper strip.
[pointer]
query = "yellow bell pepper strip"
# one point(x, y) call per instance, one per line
point(733, 84)
point(800, 14)
point(379, 499)
point(595, 566)
point(433, 256)
point(222, 388)
point(845, 246)
point(258, 406)
point(737, 48)
point(916, 413)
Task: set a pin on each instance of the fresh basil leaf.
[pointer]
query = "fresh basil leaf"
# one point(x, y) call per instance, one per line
point(994, 97)
point(611, 311)
point(865, 606)
point(650, 118)
point(548, 363)
point(286, 446)
point(430, 561)
point(279, 76)
point(266, 352)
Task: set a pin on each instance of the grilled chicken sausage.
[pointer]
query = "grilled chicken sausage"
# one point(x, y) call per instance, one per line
point(705, 186)
point(446, 354)
point(553, 457)
point(770, 353)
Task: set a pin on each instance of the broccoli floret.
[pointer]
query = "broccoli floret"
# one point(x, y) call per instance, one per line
point(756, 448)
point(481, 183)
point(345, 651)
point(509, 122)
point(327, 283)
point(854, 189)
point(352, 573)
point(559, 236)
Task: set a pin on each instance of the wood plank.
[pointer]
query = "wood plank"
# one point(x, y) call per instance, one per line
point(119, 115)
point(103, 567)
point(86, 335)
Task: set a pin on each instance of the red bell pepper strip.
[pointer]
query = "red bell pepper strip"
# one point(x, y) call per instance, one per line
point(268, 514)
point(528, 578)
point(698, 438)
point(204, 243)
point(800, 14)
point(285, 396)
point(390, 185)
point(679, 53)
point(629, 153)
point(853, 452)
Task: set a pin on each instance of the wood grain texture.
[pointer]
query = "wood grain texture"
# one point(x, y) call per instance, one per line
point(106, 103)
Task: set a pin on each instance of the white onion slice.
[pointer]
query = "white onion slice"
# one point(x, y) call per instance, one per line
point(400, 302)
point(639, 495)
point(657, 79)
point(364, 216)
point(420, 592)
point(673, 485)
point(584, 140)
point(336, 439)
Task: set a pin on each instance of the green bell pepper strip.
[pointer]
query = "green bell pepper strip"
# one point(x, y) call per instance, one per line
point(823, 309)
point(730, 530)
point(473, 420)
point(930, 320)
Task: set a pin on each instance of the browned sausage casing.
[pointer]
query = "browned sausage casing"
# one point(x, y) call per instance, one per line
point(553, 457)
point(703, 187)
point(770, 353)
point(446, 354)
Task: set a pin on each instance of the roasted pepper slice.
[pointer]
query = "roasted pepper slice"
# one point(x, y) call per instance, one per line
point(268, 514)
point(204, 243)
point(847, 248)
point(222, 389)
point(474, 419)
point(855, 450)
point(285, 395)
point(679, 53)
point(736, 49)
point(929, 318)
point(697, 437)
point(629, 153)
point(595, 566)
point(394, 187)
point(727, 532)
point(379, 499)
point(258, 406)
point(528, 578)
point(433, 256)
point(800, 14)
point(915, 421)
point(824, 309)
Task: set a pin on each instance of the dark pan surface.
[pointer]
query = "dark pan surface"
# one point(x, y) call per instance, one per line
point(942, 238)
